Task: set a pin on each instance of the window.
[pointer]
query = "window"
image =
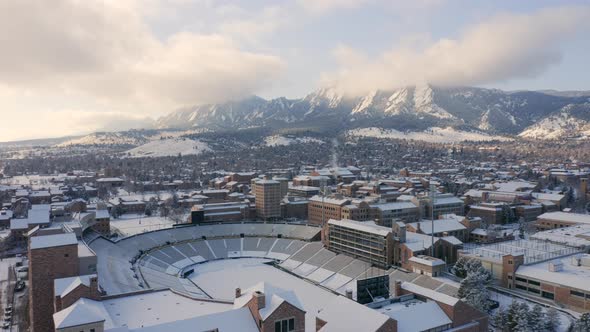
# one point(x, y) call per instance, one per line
point(66, 255)
point(575, 293)
point(285, 325)
point(548, 295)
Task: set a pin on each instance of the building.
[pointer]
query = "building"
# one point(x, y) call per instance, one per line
point(442, 228)
point(561, 219)
point(44, 254)
point(490, 213)
point(443, 204)
point(563, 280)
point(363, 240)
point(222, 212)
point(322, 209)
point(387, 213)
point(303, 191)
point(427, 265)
point(528, 212)
point(268, 199)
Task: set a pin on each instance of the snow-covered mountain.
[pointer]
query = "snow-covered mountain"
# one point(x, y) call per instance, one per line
point(415, 108)
point(572, 121)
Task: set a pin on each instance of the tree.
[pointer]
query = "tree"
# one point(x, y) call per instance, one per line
point(537, 318)
point(500, 320)
point(473, 289)
point(459, 267)
point(551, 320)
point(583, 323)
point(507, 214)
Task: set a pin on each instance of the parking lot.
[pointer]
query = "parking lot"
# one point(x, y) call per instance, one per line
point(13, 304)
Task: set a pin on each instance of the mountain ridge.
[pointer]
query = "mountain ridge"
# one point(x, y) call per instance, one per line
point(420, 107)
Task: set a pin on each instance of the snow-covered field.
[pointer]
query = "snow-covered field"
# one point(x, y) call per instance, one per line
point(220, 278)
point(130, 224)
point(169, 147)
point(434, 135)
point(279, 140)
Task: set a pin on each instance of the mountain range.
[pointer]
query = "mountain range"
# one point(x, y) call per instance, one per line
point(528, 114)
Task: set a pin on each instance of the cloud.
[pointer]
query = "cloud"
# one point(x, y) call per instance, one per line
point(105, 50)
point(58, 123)
point(322, 6)
point(503, 48)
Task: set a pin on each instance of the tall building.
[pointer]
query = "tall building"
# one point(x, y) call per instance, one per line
point(322, 209)
point(363, 240)
point(268, 199)
point(44, 252)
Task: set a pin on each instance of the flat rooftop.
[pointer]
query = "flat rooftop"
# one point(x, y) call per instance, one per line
point(571, 275)
point(532, 249)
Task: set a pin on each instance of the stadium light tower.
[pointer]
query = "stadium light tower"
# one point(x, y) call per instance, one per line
point(432, 198)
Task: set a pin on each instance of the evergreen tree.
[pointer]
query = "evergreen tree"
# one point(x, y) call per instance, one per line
point(500, 320)
point(459, 267)
point(537, 318)
point(551, 320)
point(473, 289)
point(583, 323)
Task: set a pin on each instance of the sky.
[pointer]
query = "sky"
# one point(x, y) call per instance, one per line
point(70, 67)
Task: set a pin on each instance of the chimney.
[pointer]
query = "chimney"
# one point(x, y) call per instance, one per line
point(260, 299)
point(238, 292)
point(94, 291)
point(397, 288)
point(349, 293)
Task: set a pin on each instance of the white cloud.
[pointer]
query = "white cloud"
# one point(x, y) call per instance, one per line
point(503, 48)
point(57, 123)
point(322, 6)
point(105, 50)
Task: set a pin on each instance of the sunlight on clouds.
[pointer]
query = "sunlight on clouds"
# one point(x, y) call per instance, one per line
point(503, 48)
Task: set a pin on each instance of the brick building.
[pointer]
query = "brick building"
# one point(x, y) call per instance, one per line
point(268, 199)
point(44, 253)
point(322, 209)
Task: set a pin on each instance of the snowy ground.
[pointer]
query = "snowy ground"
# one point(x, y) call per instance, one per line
point(434, 134)
point(220, 278)
point(279, 140)
point(169, 147)
point(131, 224)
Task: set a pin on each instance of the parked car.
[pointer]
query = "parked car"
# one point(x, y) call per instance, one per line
point(6, 325)
point(8, 309)
point(20, 285)
point(22, 269)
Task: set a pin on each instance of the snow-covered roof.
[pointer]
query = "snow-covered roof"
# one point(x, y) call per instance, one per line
point(361, 226)
point(576, 236)
point(416, 315)
point(158, 307)
point(102, 214)
point(440, 225)
point(342, 314)
point(429, 293)
point(418, 242)
point(395, 206)
point(426, 260)
point(82, 312)
point(572, 276)
point(64, 286)
point(54, 240)
point(566, 217)
point(330, 200)
point(548, 197)
point(273, 297)
point(225, 321)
